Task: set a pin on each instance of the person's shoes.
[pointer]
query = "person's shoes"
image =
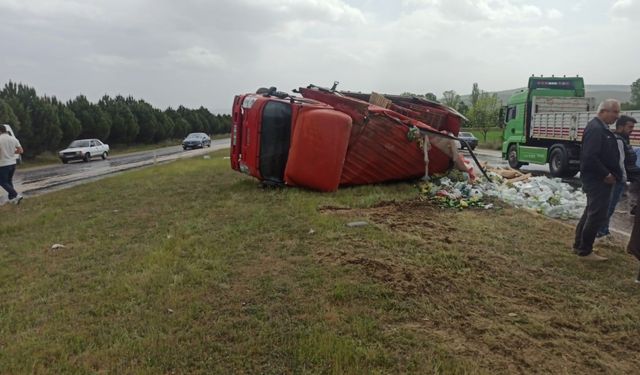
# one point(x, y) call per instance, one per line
point(16, 200)
point(606, 239)
point(602, 234)
point(593, 257)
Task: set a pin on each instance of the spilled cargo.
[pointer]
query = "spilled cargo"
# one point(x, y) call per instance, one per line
point(325, 139)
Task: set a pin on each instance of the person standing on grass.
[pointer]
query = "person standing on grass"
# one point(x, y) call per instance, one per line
point(630, 171)
point(9, 148)
point(633, 247)
point(599, 171)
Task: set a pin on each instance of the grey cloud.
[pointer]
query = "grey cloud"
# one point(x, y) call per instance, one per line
point(629, 9)
point(200, 52)
point(480, 10)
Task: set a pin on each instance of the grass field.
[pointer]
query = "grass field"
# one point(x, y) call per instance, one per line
point(189, 267)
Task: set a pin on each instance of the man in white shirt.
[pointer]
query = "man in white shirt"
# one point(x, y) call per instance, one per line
point(9, 148)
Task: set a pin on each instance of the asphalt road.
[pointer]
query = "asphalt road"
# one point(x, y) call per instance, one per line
point(35, 181)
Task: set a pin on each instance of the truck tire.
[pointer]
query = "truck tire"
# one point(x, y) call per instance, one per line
point(512, 156)
point(86, 157)
point(559, 163)
point(571, 173)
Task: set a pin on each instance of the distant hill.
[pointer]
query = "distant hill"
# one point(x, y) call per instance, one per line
point(600, 92)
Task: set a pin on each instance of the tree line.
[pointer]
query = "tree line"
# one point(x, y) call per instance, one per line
point(44, 123)
point(483, 110)
point(634, 101)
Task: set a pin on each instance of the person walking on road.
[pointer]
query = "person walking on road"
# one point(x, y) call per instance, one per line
point(599, 171)
point(630, 171)
point(9, 148)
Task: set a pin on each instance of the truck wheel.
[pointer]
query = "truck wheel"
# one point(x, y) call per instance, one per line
point(571, 173)
point(104, 155)
point(512, 156)
point(86, 157)
point(559, 163)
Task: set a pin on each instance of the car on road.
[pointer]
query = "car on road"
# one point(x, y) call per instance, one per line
point(84, 149)
point(471, 140)
point(196, 140)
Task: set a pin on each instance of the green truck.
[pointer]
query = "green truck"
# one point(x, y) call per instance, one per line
point(544, 124)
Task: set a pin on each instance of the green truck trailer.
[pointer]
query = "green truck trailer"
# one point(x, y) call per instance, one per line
point(544, 124)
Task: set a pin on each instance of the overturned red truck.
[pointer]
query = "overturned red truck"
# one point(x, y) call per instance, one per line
point(327, 139)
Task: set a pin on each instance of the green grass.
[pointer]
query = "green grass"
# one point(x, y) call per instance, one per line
point(189, 267)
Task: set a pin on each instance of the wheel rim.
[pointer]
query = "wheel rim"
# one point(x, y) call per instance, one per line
point(555, 162)
point(513, 156)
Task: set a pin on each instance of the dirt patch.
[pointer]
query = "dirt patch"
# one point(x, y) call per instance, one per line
point(415, 216)
point(480, 292)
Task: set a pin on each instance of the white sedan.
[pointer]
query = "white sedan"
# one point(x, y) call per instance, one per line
point(84, 149)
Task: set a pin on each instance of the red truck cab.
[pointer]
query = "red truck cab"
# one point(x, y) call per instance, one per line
point(261, 140)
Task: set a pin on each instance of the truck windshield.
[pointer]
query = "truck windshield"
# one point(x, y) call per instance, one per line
point(274, 141)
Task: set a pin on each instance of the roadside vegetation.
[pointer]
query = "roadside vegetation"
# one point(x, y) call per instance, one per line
point(493, 140)
point(190, 267)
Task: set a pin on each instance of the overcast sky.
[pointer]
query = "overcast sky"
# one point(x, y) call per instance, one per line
point(203, 52)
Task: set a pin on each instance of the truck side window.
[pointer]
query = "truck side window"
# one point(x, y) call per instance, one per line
point(511, 113)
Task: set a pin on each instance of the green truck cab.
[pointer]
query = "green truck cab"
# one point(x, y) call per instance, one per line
point(557, 144)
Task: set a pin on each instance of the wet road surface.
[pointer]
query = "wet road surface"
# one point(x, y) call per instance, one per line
point(41, 180)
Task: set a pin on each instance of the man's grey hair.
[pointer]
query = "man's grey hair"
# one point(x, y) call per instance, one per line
point(608, 104)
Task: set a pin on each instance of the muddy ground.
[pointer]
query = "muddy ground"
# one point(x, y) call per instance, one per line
point(505, 299)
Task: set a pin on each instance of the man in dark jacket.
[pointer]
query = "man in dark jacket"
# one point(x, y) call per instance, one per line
point(599, 171)
point(631, 172)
